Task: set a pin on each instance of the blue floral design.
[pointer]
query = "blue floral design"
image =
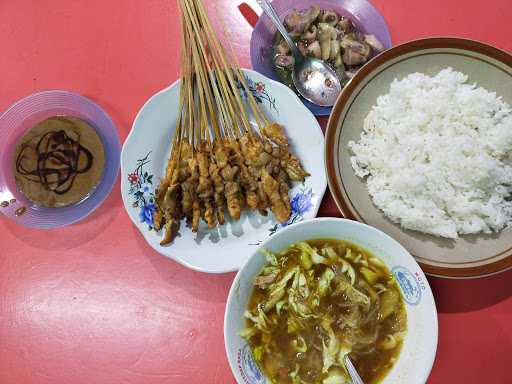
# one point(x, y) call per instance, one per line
point(249, 370)
point(300, 204)
point(259, 92)
point(141, 188)
point(146, 214)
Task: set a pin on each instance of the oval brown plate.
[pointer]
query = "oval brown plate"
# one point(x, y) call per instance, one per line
point(489, 67)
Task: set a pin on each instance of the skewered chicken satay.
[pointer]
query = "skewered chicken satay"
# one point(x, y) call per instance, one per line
point(188, 190)
point(205, 189)
point(232, 189)
point(283, 180)
point(278, 173)
point(292, 166)
point(219, 161)
point(260, 156)
point(170, 209)
point(172, 215)
point(171, 204)
point(249, 185)
point(250, 150)
point(158, 217)
point(218, 184)
point(274, 132)
point(273, 166)
point(271, 188)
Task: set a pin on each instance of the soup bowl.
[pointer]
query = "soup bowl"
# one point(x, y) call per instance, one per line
point(415, 360)
point(361, 12)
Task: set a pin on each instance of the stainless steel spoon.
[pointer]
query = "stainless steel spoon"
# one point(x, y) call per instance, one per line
point(315, 80)
point(356, 379)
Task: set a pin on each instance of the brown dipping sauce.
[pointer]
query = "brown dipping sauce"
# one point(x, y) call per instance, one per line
point(58, 162)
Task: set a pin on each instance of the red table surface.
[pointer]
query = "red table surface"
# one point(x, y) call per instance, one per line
point(93, 303)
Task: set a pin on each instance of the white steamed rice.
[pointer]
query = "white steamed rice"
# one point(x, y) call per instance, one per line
point(434, 152)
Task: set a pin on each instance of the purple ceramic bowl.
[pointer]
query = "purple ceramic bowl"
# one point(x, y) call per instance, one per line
point(360, 12)
point(26, 113)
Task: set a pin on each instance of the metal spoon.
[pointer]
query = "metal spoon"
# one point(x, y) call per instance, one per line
point(356, 379)
point(315, 80)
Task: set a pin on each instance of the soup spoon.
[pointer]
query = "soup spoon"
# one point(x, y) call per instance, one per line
point(356, 379)
point(315, 80)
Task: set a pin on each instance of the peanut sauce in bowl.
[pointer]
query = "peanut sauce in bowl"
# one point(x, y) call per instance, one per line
point(58, 162)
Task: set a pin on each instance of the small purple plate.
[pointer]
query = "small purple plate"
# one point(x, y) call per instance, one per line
point(360, 12)
point(28, 112)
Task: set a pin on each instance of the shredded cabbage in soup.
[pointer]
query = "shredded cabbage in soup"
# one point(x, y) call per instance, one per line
point(318, 301)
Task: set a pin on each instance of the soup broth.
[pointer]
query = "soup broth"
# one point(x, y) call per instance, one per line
point(318, 301)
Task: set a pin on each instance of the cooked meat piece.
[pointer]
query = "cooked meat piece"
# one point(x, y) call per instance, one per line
point(314, 50)
point(271, 188)
point(284, 61)
point(293, 167)
point(297, 22)
point(310, 34)
point(329, 17)
point(274, 132)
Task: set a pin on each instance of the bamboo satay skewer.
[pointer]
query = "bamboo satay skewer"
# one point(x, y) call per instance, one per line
point(216, 76)
point(225, 118)
point(232, 57)
point(225, 108)
point(228, 99)
point(204, 91)
point(236, 114)
point(177, 133)
point(223, 58)
point(218, 50)
point(203, 124)
point(226, 115)
point(187, 70)
point(195, 31)
point(254, 106)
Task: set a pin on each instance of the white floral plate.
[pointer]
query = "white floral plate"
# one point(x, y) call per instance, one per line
point(226, 248)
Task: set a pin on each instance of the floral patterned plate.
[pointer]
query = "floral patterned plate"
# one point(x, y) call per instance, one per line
point(226, 248)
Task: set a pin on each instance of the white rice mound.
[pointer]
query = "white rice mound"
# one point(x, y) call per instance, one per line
point(435, 154)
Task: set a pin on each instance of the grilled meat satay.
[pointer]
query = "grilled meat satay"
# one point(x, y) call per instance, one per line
point(283, 180)
point(274, 132)
point(172, 164)
point(249, 185)
point(274, 168)
point(170, 210)
point(232, 190)
point(292, 166)
point(171, 207)
point(188, 191)
point(256, 158)
point(218, 196)
point(172, 215)
point(271, 188)
point(264, 204)
point(219, 161)
point(205, 190)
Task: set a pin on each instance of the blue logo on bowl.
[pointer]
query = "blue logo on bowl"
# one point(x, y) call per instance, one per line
point(410, 285)
point(248, 368)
